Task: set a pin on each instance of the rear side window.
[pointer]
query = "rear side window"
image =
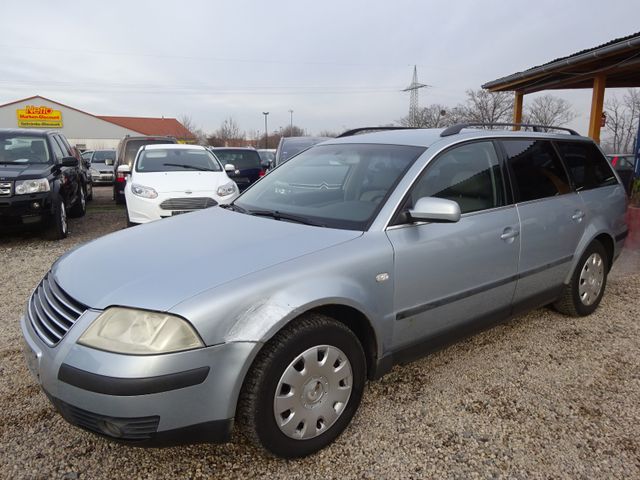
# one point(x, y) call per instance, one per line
point(587, 166)
point(536, 169)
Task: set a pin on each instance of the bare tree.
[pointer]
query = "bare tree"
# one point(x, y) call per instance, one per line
point(188, 123)
point(327, 133)
point(294, 131)
point(622, 122)
point(229, 134)
point(432, 116)
point(483, 106)
point(549, 110)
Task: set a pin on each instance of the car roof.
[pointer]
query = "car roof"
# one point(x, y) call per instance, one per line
point(27, 131)
point(172, 146)
point(233, 148)
point(425, 137)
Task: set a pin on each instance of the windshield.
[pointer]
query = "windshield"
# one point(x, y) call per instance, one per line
point(340, 186)
point(293, 146)
point(101, 155)
point(176, 160)
point(266, 155)
point(23, 149)
point(240, 159)
point(133, 146)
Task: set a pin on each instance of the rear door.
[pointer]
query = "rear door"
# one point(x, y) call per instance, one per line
point(551, 218)
point(448, 277)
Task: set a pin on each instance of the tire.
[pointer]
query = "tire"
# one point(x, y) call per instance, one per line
point(585, 290)
point(59, 227)
point(312, 340)
point(80, 207)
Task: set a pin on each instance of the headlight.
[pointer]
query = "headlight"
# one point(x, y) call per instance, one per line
point(144, 192)
point(36, 185)
point(140, 332)
point(227, 189)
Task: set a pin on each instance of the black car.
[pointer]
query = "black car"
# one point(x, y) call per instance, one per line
point(41, 181)
point(126, 154)
point(243, 165)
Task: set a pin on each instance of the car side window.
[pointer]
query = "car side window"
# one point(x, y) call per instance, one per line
point(57, 151)
point(469, 174)
point(536, 169)
point(587, 166)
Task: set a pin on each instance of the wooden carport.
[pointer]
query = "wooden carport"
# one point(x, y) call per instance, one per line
point(615, 64)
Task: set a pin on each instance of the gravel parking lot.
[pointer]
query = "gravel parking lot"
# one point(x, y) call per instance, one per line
point(540, 396)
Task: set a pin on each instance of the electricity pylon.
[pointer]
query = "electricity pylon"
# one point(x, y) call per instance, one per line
point(414, 105)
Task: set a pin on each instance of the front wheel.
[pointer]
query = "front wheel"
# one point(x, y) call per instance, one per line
point(303, 388)
point(585, 290)
point(59, 227)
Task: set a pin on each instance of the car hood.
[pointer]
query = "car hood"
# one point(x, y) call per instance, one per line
point(22, 171)
point(167, 182)
point(157, 265)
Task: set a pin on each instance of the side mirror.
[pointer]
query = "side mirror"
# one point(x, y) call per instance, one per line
point(435, 209)
point(126, 169)
point(229, 167)
point(108, 161)
point(69, 162)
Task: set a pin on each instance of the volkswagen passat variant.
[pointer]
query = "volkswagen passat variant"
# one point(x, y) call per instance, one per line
point(168, 180)
point(383, 246)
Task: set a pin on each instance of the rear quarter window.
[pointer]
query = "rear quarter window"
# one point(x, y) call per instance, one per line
point(587, 166)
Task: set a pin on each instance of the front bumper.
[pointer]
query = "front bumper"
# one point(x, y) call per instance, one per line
point(155, 400)
point(23, 210)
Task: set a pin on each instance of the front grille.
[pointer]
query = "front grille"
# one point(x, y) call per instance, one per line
point(188, 203)
point(52, 312)
point(5, 189)
point(135, 428)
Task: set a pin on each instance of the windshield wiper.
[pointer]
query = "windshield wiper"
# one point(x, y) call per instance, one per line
point(235, 208)
point(193, 167)
point(276, 215)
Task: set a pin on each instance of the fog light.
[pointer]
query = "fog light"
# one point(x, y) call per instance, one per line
point(35, 205)
point(110, 428)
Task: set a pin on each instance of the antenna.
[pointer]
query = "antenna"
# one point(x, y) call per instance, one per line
point(414, 105)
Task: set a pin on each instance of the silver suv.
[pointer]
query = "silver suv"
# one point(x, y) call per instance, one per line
point(383, 247)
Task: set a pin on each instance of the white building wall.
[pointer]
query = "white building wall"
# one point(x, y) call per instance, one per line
point(79, 128)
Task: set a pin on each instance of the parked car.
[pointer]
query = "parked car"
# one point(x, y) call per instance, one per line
point(267, 157)
point(101, 162)
point(624, 164)
point(168, 180)
point(86, 155)
point(126, 153)
point(242, 164)
point(290, 146)
point(41, 181)
point(431, 235)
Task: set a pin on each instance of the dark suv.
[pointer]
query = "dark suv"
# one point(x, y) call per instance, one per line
point(41, 181)
point(125, 154)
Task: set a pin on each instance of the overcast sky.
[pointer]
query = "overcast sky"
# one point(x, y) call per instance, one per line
point(336, 64)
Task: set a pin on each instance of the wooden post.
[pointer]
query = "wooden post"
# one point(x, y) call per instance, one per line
point(517, 108)
point(597, 102)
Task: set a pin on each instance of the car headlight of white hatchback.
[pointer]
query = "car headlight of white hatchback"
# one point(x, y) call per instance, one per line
point(227, 189)
point(140, 332)
point(144, 192)
point(35, 185)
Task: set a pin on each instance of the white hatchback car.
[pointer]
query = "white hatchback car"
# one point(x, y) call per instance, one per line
point(170, 179)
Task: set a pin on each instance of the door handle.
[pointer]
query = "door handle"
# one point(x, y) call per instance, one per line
point(578, 216)
point(509, 234)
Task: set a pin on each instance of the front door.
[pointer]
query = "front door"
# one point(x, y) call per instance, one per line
point(450, 276)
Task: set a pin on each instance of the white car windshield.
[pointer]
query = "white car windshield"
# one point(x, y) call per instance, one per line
point(176, 160)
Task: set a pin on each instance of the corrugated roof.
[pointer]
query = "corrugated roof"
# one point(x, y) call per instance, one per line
point(152, 126)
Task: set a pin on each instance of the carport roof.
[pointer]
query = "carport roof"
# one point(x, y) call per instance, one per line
point(618, 59)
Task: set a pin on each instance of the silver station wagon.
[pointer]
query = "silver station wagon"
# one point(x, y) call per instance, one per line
point(360, 253)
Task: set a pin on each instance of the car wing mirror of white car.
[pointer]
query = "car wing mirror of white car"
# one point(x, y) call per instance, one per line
point(230, 167)
point(435, 209)
point(126, 169)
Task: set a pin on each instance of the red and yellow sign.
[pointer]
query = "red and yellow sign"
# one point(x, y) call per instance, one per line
point(32, 116)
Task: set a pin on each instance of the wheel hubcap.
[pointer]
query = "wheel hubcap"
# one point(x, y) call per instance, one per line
point(63, 217)
point(83, 201)
point(313, 392)
point(591, 279)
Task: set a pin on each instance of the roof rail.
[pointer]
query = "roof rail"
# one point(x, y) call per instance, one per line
point(455, 129)
point(356, 131)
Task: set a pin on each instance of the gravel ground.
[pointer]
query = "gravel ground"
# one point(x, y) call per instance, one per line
point(542, 396)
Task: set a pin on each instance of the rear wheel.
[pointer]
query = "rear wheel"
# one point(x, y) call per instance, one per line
point(59, 227)
point(304, 387)
point(585, 290)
